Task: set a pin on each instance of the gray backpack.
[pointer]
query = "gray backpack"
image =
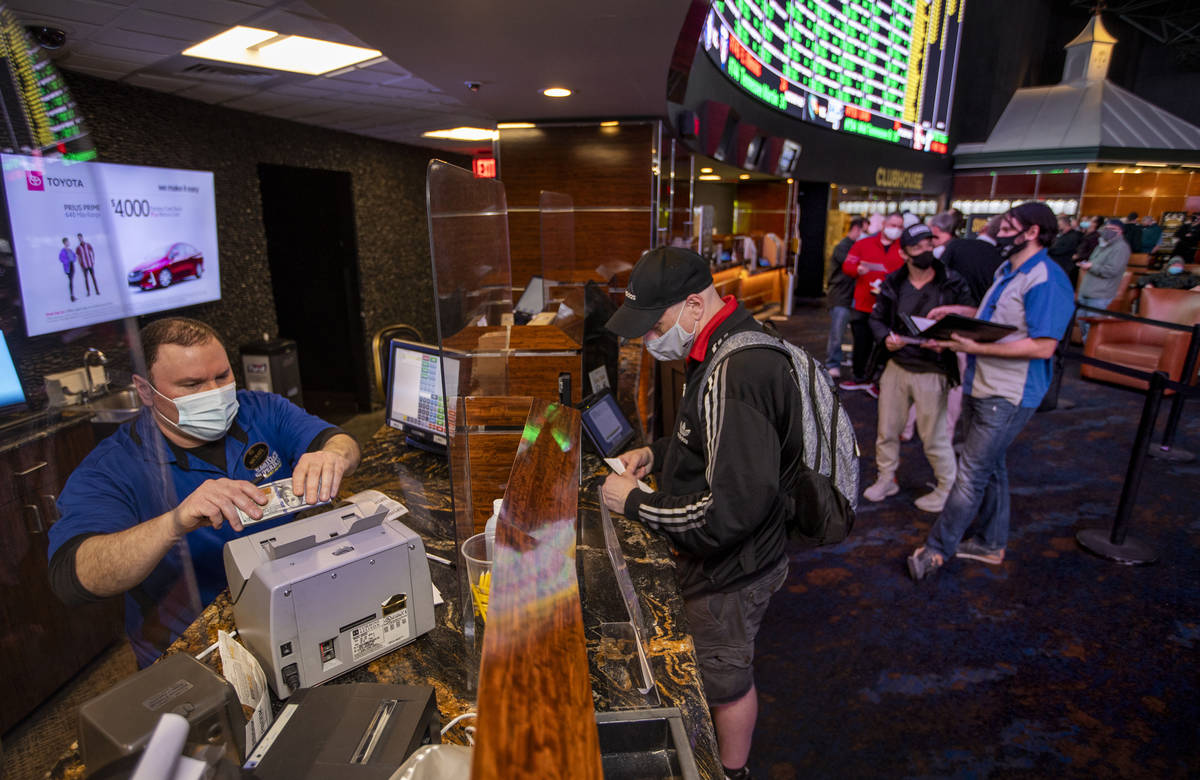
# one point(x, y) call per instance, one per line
point(826, 487)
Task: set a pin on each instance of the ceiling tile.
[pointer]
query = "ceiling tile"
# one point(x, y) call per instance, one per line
point(223, 12)
point(115, 53)
point(89, 11)
point(391, 68)
point(102, 69)
point(215, 93)
point(158, 83)
point(169, 26)
point(262, 101)
point(129, 39)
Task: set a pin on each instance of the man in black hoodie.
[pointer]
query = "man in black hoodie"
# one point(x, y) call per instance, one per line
point(915, 376)
point(724, 476)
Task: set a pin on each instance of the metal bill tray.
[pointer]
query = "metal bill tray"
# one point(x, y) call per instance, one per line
point(643, 744)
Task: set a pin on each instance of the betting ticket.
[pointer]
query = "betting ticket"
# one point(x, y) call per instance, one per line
point(281, 500)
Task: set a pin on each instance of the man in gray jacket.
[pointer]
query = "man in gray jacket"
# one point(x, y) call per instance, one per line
point(1103, 270)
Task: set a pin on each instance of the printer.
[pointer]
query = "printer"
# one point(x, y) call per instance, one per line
point(319, 596)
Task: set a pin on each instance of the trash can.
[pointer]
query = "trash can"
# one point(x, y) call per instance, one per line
point(273, 366)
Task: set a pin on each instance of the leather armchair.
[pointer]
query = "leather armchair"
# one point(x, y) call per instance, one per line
point(1123, 301)
point(1141, 346)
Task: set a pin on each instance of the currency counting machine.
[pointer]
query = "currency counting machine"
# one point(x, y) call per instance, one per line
point(317, 597)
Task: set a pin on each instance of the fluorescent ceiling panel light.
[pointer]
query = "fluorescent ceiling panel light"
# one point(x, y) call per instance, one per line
point(744, 176)
point(556, 92)
point(463, 134)
point(706, 170)
point(268, 49)
point(515, 125)
point(611, 123)
point(710, 177)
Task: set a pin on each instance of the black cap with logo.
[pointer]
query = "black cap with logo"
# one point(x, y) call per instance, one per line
point(913, 234)
point(662, 278)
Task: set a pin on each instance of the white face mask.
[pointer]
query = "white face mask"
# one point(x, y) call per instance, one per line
point(938, 251)
point(674, 344)
point(892, 233)
point(205, 416)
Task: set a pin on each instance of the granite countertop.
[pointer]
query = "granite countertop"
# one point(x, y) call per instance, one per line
point(444, 660)
point(40, 425)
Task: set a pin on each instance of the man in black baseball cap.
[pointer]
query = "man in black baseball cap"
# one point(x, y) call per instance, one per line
point(720, 500)
point(662, 278)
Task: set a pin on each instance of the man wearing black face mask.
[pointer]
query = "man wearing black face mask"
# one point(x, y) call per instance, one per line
point(721, 500)
point(1004, 383)
point(1102, 271)
point(915, 376)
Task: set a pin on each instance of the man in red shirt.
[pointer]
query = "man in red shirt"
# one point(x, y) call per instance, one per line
point(869, 260)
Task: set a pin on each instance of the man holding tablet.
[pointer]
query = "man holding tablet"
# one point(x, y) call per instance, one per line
point(721, 498)
point(1002, 388)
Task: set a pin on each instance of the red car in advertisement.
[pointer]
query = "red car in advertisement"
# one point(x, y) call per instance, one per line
point(179, 261)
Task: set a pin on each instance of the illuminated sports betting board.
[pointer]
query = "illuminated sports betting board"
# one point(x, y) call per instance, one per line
point(37, 112)
point(878, 68)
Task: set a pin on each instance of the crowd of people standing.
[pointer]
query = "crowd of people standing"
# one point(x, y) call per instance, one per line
point(968, 399)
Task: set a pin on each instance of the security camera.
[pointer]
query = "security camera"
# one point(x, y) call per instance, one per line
point(473, 85)
point(47, 37)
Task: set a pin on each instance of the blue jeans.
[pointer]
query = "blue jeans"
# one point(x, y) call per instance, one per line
point(839, 318)
point(1099, 303)
point(979, 499)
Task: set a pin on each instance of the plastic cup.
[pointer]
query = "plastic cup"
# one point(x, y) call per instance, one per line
point(478, 552)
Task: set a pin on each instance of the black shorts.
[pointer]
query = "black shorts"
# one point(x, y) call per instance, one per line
point(723, 627)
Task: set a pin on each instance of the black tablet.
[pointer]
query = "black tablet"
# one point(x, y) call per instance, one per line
point(606, 425)
point(976, 330)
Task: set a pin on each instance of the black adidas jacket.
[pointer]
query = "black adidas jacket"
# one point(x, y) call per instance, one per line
point(724, 474)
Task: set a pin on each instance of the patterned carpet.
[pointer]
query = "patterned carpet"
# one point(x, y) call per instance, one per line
point(1056, 663)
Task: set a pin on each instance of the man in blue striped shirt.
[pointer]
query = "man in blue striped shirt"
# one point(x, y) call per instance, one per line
point(1002, 387)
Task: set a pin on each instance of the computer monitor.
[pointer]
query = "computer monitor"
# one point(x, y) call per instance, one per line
point(12, 394)
point(415, 401)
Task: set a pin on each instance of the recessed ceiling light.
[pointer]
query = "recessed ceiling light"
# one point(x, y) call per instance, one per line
point(515, 125)
point(269, 49)
point(463, 134)
point(556, 92)
point(744, 176)
point(706, 170)
point(612, 123)
point(709, 177)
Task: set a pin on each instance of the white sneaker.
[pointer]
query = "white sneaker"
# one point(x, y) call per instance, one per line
point(931, 502)
point(881, 489)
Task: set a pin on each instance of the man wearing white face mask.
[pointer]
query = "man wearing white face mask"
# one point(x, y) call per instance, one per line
point(119, 532)
point(721, 471)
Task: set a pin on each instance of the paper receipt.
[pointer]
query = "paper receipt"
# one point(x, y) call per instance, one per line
point(616, 465)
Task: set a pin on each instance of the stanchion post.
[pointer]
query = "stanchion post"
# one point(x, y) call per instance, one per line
point(1115, 544)
point(1189, 370)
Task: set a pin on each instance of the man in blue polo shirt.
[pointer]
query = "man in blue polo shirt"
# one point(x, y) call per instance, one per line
point(180, 471)
point(1002, 387)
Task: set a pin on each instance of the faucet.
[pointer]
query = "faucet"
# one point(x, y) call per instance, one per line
point(92, 356)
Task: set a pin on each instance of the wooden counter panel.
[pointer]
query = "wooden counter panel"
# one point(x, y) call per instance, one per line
point(537, 375)
point(535, 698)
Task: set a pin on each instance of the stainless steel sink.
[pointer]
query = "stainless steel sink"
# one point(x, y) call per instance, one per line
point(116, 406)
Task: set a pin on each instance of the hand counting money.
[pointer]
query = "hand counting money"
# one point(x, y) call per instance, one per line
point(281, 500)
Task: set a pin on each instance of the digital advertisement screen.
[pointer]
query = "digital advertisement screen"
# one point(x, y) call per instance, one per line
point(879, 68)
point(96, 242)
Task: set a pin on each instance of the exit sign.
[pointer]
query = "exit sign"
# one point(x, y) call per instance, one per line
point(485, 167)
